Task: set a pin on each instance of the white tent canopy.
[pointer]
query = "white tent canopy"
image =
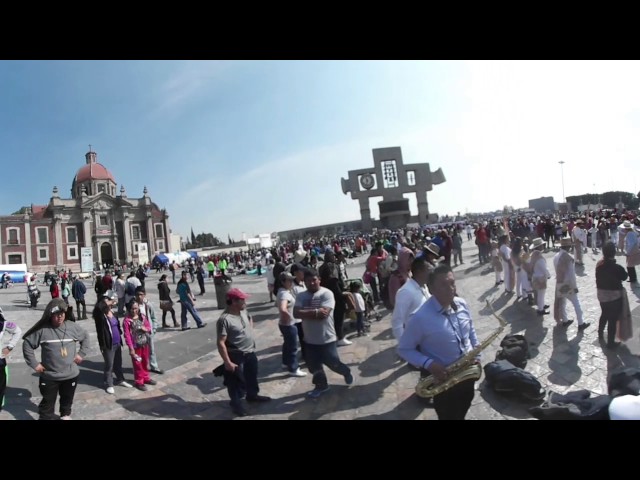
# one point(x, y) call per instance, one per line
point(178, 257)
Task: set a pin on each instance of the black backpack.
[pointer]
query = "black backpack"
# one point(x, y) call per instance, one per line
point(507, 379)
point(515, 349)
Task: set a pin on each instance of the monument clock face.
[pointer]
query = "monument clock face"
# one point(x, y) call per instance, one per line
point(367, 181)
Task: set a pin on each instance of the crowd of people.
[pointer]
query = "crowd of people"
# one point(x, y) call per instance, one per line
point(409, 271)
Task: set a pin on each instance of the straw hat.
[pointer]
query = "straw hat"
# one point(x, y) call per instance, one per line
point(627, 225)
point(433, 248)
point(537, 242)
point(566, 242)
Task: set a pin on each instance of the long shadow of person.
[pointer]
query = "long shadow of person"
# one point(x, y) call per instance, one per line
point(19, 404)
point(563, 361)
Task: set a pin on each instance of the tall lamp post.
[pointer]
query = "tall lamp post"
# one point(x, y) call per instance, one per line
point(561, 162)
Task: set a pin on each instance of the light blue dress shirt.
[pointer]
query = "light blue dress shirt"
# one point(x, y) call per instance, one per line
point(443, 334)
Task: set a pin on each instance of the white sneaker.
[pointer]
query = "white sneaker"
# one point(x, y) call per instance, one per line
point(298, 373)
point(343, 342)
point(66, 417)
point(111, 390)
point(125, 384)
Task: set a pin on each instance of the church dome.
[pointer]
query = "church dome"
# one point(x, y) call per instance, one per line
point(93, 171)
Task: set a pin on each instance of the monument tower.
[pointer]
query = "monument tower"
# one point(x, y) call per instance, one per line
point(390, 178)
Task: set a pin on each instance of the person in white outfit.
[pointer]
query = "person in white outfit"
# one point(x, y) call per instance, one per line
point(410, 296)
point(540, 275)
point(496, 262)
point(566, 287)
point(523, 286)
point(507, 266)
point(580, 240)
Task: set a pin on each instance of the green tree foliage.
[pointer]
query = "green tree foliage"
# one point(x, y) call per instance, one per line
point(22, 211)
point(203, 240)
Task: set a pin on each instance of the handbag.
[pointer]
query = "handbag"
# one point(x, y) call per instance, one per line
point(366, 278)
point(166, 305)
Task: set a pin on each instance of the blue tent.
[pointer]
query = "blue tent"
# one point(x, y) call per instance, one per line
point(194, 255)
point(160, 258)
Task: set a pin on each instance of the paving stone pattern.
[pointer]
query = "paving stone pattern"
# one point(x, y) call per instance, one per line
point(562, 359)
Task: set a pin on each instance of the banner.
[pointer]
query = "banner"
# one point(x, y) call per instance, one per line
point(86, 259)
point(143, 253)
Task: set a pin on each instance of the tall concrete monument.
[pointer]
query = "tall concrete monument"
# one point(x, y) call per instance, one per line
point(390, 179)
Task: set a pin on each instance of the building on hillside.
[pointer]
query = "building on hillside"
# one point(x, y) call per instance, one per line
point(95, 226)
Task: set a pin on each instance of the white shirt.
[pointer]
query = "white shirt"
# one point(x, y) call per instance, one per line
point(505, 253)
point(570, 278)
point(580, 234)
point(409, 298)
point(540, 269)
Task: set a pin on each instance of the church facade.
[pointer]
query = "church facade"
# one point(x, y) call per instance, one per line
point(115, 227)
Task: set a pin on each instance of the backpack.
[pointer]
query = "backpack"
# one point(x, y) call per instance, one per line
point(507, 379)
point(515, 349)
point(130, 289)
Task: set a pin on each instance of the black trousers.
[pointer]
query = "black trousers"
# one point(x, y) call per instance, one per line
point(173, 316)
point(3, 380)
point(609, 318)
point(83, 315)
point(633, 277)
point(49, 390)
point(338, 320)
point(454, 403)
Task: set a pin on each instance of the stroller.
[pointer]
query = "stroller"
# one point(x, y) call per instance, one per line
point(370, 312)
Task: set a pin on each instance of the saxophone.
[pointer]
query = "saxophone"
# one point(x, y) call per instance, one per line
point(462, 369)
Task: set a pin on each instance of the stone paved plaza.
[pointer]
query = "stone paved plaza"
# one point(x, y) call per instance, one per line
point(562, 359)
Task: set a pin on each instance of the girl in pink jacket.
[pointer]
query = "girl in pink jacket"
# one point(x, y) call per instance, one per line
point(137, 330)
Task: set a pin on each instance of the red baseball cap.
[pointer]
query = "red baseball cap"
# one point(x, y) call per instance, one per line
point(236, 293)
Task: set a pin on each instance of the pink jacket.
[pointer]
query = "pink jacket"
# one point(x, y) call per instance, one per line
point(128, 334)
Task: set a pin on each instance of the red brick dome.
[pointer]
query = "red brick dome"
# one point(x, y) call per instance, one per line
point(93, 171)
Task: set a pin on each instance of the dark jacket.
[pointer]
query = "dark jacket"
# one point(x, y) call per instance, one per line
point(610, 275)
point(103, 329)
point(164, 290)
point(78, 289)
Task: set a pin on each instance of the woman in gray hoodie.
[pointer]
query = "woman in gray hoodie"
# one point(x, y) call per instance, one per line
point(64, 345)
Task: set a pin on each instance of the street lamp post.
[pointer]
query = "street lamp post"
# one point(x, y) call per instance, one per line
point(561, 162)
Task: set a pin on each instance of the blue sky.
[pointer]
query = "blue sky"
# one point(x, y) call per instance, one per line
point(258, 146)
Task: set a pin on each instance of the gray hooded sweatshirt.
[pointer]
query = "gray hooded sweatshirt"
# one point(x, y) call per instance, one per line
point(52, 340)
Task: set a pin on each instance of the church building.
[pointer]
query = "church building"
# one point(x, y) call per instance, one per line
point(95, 222)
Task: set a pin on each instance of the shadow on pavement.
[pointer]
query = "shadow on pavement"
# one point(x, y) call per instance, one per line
point(503, 404)
point(342, 397)
point(409, 409)
point(18, 402)
point(563, 362)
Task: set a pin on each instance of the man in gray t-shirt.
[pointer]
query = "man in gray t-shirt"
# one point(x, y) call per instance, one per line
point(237, 348)
point(315, 308)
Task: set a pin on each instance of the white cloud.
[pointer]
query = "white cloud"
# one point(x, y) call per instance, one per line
point(187, 82)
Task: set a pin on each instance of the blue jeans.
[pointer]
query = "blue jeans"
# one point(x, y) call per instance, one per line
point(244, 379)
point(183, 315)
point(327, 354)
point(290, 346)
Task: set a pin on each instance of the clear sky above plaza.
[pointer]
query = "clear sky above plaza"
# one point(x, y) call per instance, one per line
point(259, 146)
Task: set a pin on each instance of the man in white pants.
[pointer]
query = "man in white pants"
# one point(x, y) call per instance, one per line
point(540, 274)
point(566, 286)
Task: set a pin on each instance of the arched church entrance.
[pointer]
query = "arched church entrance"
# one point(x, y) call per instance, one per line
point(106, 254)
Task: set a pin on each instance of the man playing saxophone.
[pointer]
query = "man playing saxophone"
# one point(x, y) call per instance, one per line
point(438, 335)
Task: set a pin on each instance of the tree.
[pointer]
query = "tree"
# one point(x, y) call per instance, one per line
point(193, 237)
